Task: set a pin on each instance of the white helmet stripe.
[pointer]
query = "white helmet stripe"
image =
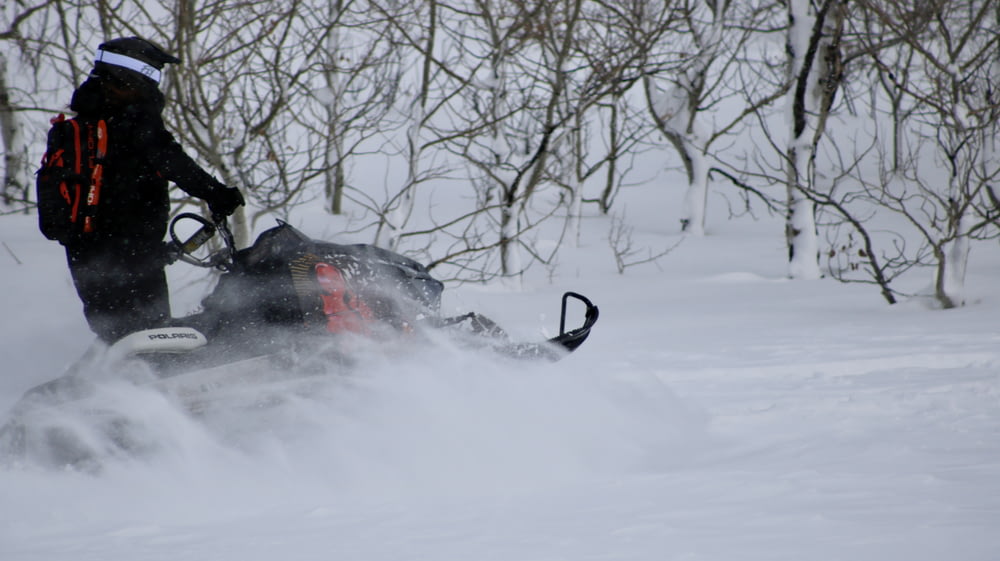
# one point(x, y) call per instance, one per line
point(134, 64)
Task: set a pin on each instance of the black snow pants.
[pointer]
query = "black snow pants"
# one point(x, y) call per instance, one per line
point(122, 284)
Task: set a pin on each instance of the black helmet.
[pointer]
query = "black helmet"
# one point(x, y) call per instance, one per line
point(128, 57)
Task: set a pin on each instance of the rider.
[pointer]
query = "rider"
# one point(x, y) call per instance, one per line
point(119, 271)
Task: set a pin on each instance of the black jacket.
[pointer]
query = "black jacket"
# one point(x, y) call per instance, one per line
point(142, 156)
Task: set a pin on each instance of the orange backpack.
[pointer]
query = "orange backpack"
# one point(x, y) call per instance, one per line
point(68, 186)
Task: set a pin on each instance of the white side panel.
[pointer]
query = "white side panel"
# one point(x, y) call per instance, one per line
point(159, 340)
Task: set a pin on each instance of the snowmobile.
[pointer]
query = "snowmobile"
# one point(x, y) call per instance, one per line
point(288, 305)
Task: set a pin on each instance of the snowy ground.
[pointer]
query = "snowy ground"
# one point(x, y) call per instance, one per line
point(718, 413)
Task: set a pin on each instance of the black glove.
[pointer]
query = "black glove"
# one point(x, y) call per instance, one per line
point(224, 201)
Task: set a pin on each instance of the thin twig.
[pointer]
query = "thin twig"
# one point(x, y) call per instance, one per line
point(11, 252)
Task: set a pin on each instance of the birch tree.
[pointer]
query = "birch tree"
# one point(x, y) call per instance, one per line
point(334, 178)
point(16, 177)
point(675, 109)
point(815, 74)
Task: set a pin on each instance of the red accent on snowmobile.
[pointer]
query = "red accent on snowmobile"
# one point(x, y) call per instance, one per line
point(344, 311)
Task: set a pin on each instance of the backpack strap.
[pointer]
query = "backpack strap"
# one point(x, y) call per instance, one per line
point(100, 139)
point(77, 169)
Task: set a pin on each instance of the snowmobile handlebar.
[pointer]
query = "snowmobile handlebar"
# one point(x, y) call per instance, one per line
point(178, 250)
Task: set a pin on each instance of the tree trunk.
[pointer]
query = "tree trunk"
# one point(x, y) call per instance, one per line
point(953, 258)
point(800, 223)
point(334, 180)
point(813, 47)
point(16, 177)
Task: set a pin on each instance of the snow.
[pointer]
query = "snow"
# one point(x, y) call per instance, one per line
point(718, 412)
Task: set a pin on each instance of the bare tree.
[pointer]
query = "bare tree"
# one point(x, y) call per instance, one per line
point(940, 182)
point(538, 72)
point(516, 109)
point(697, 75)
point(479, 100)
point(613, 46)
point(22, 95)
point(418, 28)
point(358, 75)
